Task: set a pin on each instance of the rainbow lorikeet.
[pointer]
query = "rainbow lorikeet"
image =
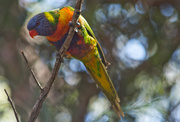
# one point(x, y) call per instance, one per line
point(84, 46)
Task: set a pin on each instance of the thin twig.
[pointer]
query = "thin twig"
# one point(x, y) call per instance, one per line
point(32, 73)
point(171, 109)
point(12, 105)
point(63, 49)
point(174, 107)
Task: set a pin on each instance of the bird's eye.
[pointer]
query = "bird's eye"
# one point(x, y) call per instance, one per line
point(37, 23)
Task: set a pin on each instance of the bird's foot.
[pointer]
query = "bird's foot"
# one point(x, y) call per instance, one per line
point(107, 64)
point(58, 56)
point(77, 24)
point(77, 29)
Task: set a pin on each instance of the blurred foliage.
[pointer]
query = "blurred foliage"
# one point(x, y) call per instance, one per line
point(139, 38)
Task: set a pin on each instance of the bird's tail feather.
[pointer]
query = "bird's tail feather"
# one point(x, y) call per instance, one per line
point(98, 72)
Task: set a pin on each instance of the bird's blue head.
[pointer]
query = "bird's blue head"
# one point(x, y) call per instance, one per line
point(44, 24)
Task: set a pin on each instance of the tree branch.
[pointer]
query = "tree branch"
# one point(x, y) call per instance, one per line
point(74, 21)
point(32, 73)
point(12, 105)
point(63, 49)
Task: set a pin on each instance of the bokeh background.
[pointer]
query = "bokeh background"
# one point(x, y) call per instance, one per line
point(140, 39)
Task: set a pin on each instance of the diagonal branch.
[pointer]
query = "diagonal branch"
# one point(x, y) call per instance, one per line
point(63, 49)
point(12, 105)
point(32, 73)
point(72, 29)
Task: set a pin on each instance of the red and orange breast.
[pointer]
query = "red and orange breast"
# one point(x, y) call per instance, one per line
point(78, 48)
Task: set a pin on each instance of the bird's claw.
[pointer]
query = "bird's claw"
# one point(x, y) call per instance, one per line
point(58, 56)
point(70, 23)
point(97, 86)
point(77, 23)
point(107, 64)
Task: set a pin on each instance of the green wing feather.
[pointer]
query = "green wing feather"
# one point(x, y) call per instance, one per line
point(90, 32)
point(96, 68)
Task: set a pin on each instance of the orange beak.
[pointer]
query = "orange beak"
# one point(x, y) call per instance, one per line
point(33, 33)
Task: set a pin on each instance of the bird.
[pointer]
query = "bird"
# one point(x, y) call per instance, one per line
point(54, 25)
